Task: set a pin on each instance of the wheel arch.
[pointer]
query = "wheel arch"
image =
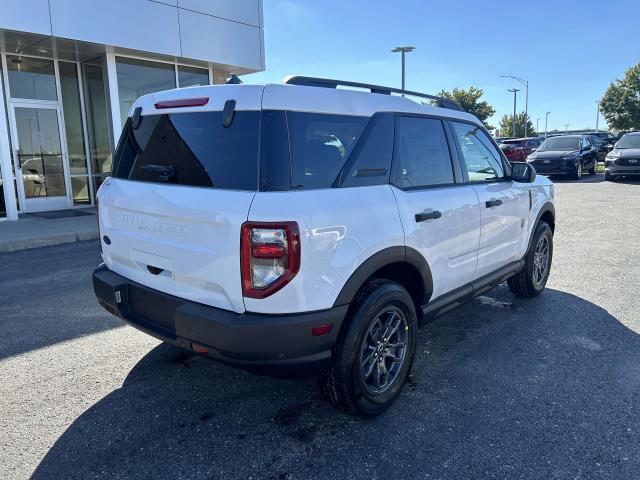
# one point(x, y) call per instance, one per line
point(401, 264)
point(547, 214)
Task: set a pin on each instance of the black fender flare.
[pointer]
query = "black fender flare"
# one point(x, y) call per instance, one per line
point(547, 207)
point(380, 259)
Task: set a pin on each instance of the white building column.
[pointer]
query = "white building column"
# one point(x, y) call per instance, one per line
point(5, 163)
point(114, 98)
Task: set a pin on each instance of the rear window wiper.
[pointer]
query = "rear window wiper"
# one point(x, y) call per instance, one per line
point(165, 172)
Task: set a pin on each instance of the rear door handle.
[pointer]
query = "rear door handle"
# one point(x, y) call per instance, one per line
point(424, 216)
point(493, 203)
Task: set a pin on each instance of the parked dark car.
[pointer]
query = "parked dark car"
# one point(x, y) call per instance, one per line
point(517, 150)
point(565, 155)
point(601, 145)
point(606, 137)
point(499, 140)
point(624, 159)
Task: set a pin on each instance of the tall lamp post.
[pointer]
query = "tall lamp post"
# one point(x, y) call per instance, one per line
point(597, 113)
point(402, 51)
point(537, 123)
point(526, 99)
point(546, 118)
point(513, 123)
point(566, 128)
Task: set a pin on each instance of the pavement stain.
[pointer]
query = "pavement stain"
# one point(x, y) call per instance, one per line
point(289, 419)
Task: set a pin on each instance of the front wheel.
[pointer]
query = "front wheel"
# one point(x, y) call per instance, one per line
point(594, 169)
point(374, 353)
point(531, 280)
point(577, 174)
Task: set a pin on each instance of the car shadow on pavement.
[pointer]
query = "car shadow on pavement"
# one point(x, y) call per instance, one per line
point(585, 179)
point(500, 387)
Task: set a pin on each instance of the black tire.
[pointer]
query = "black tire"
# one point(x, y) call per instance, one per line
point(528, 282)
point(343, 384)
point(594, 169)
point(577, 175)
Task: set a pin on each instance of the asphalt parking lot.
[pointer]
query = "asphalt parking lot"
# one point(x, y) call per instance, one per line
point(501, 388)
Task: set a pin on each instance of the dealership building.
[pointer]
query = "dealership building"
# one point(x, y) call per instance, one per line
point(70, 70)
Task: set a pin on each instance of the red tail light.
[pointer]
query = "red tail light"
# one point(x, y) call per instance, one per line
point(270, 257)
point(183, 102)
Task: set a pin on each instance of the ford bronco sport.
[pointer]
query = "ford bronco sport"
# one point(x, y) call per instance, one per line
point(301, 228)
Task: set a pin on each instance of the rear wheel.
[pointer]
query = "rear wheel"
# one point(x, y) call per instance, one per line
point(373, 355)
point(531, 280)
point(594, 169)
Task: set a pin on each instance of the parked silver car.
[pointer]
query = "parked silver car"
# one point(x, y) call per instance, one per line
point(624, 159)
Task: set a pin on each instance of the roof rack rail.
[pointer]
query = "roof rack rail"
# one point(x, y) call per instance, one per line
point(329, 83)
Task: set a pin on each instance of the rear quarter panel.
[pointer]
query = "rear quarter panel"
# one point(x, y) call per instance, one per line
point(340, 228)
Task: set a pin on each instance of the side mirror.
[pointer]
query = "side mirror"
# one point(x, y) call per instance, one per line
point(609, 147)
point(523, 173)
point(534, 149)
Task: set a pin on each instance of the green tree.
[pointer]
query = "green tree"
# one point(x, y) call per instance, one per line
point(506, 126)
point(470, 101)
point(620, 104)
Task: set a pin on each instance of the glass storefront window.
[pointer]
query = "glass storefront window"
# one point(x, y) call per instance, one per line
point(139, 77)
point(40, 154)
point(98, 124)
point(191, 76)
point(32, 78)
point(70, 90)
point(3, 207)
point(80, 190)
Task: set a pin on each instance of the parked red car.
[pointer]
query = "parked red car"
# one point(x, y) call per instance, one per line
point(518, 149)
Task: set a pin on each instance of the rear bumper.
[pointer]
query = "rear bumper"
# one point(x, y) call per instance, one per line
point(279, 345)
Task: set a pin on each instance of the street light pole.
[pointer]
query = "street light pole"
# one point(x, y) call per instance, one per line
point(526, 100)
point(513, 122)
point(597, 113)
point(566, 128)
point(537, 123)
point(403, 50)
point(546, 118)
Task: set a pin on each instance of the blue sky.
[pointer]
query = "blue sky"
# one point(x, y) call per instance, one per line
point(568, 50)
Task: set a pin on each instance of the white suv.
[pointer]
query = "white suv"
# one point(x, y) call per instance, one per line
point(301, 228)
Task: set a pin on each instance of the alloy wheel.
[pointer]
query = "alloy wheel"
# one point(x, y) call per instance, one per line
point(541, 261)
point(384, 350)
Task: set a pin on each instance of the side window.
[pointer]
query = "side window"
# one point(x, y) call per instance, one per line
point(422, 153)
point(320, 145)
point(370, 162)
point(533, 143)
point(481, 157)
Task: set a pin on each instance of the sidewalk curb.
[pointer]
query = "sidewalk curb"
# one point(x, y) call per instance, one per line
point(48, 241)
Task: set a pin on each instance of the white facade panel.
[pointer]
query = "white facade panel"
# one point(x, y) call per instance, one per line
point(222, 41)
point(243, 11)
point(136, 24)
point(25, 16)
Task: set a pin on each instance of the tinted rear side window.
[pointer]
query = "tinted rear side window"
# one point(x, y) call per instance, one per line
point(191, 149)
point(422, 153)
point(320, 144)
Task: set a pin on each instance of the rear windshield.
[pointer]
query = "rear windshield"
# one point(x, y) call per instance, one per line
point(511, 143)
point(560, 144)
point(298, 150)
point(192, 149)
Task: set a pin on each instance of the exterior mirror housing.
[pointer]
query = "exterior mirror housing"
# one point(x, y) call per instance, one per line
point(523, 173)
